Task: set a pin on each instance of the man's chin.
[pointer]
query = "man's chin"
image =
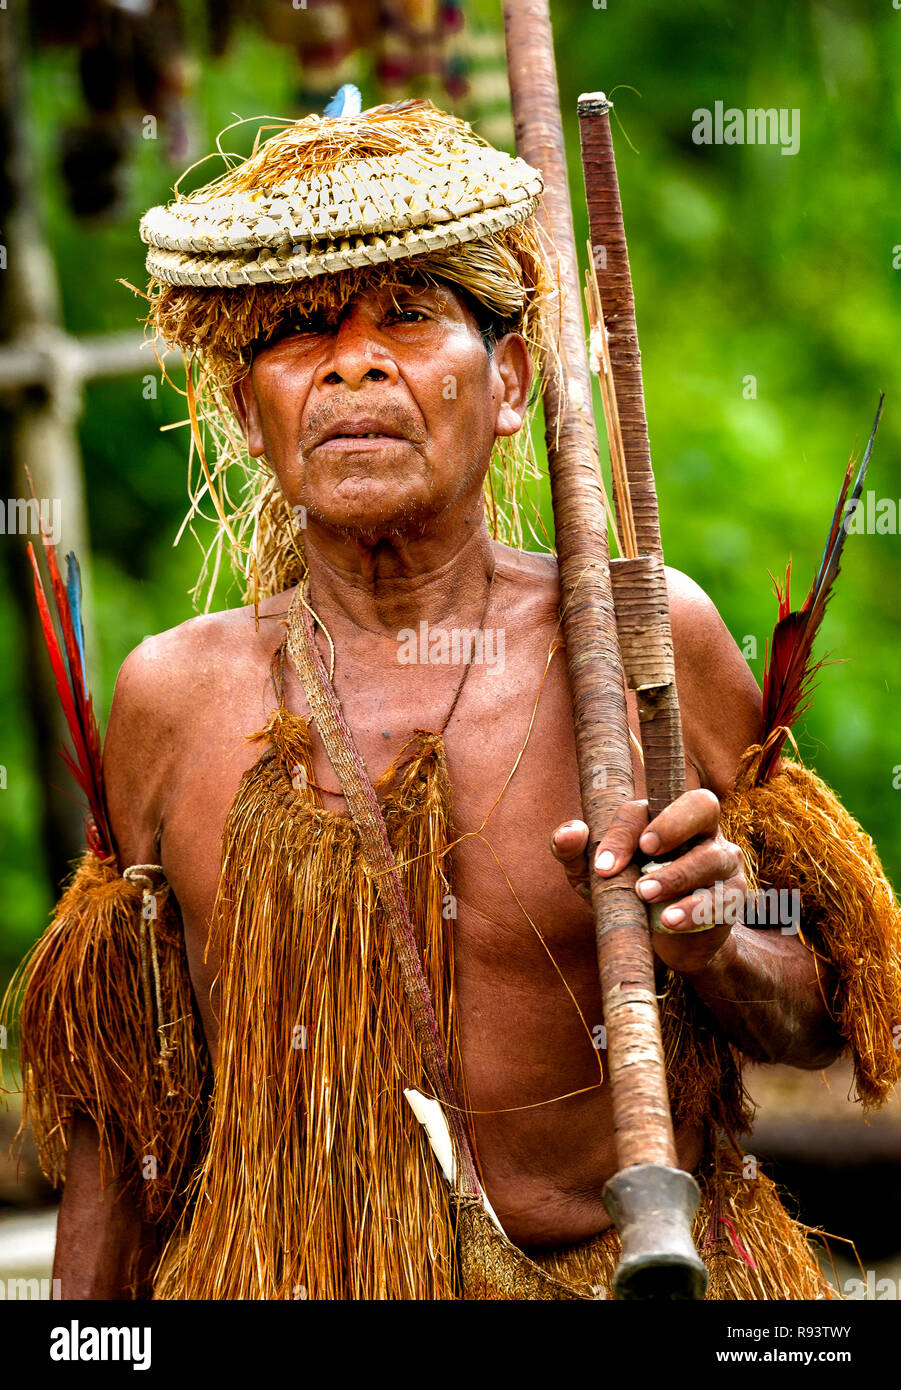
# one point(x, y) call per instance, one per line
point(369, 523)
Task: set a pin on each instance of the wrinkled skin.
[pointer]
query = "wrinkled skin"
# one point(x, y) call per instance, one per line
point(396, 534)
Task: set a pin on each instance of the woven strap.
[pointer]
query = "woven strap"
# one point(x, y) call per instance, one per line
point(377, 854)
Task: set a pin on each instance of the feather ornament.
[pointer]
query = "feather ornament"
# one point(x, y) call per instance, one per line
point(347, 101)
point(64, 640)
point(789, 669)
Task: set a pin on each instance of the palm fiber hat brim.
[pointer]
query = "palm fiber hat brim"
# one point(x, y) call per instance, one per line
point(283, 225)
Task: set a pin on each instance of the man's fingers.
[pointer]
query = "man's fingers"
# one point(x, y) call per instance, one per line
point(569, 840)
point(568, 844)
point(621, 841)
point(708, 862)
point(694, 813)
point(701, 908)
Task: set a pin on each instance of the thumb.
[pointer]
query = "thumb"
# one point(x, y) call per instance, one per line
point(568, 845)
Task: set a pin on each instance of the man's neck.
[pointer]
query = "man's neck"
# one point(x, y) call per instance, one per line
point(385, 586)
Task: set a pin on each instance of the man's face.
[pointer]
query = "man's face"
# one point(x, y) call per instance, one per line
point(381, 416)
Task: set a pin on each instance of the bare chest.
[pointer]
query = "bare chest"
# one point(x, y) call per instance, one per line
point(529, 1004)
point(511, 758)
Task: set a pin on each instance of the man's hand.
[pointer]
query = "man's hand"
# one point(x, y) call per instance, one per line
point(689, 830)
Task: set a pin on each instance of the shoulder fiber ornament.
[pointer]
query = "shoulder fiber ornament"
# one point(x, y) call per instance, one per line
point(301, 205)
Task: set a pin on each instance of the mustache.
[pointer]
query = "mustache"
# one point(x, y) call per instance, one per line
point(393, 416)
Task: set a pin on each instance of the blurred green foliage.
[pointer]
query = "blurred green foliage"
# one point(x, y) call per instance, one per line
point(746, 263)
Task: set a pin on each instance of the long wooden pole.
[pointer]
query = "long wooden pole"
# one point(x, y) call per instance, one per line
point(641, 582)
point(651, 1200)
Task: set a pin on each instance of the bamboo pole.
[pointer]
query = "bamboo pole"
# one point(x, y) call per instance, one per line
point(38, 360)
point(639, 584)
point(651, 1200)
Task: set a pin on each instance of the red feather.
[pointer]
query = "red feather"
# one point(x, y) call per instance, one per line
point(66, 659)
point(789, 667)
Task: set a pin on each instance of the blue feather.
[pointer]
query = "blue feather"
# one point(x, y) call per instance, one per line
point(73, 591)
point(347, 101)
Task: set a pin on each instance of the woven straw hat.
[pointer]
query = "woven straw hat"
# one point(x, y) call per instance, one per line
point(273, 226)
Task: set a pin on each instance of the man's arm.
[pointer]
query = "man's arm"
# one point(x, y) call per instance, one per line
point(101, 1245)
point(761, 985)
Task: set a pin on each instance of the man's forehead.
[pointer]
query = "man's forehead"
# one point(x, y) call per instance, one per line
point(378, 292)
point(323, 304)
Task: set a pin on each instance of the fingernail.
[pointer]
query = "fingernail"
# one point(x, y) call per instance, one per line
point(672, 916)
point(605, 862)
point(649, 842)
point(649, 888)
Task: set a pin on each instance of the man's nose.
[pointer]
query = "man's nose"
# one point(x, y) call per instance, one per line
point(355, 356)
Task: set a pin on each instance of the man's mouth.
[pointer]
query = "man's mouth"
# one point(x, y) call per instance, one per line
point(357, 431)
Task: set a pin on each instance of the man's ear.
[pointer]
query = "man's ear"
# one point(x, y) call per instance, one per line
point(244, 403)
point(513, 364)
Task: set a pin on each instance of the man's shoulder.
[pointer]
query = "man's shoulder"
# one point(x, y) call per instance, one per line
point(525, 564)
point(699, 631)
point(719, 699)
point(174, 678)
point(697, 626)
point(692, 610)
point(180, 696)
point(199, 648)
point(695, 620)
point(689, 603)
point(533, 576)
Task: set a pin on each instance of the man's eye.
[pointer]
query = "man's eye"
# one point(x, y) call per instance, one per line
point(407, 316)
point(300, 328)
point(305, 326)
